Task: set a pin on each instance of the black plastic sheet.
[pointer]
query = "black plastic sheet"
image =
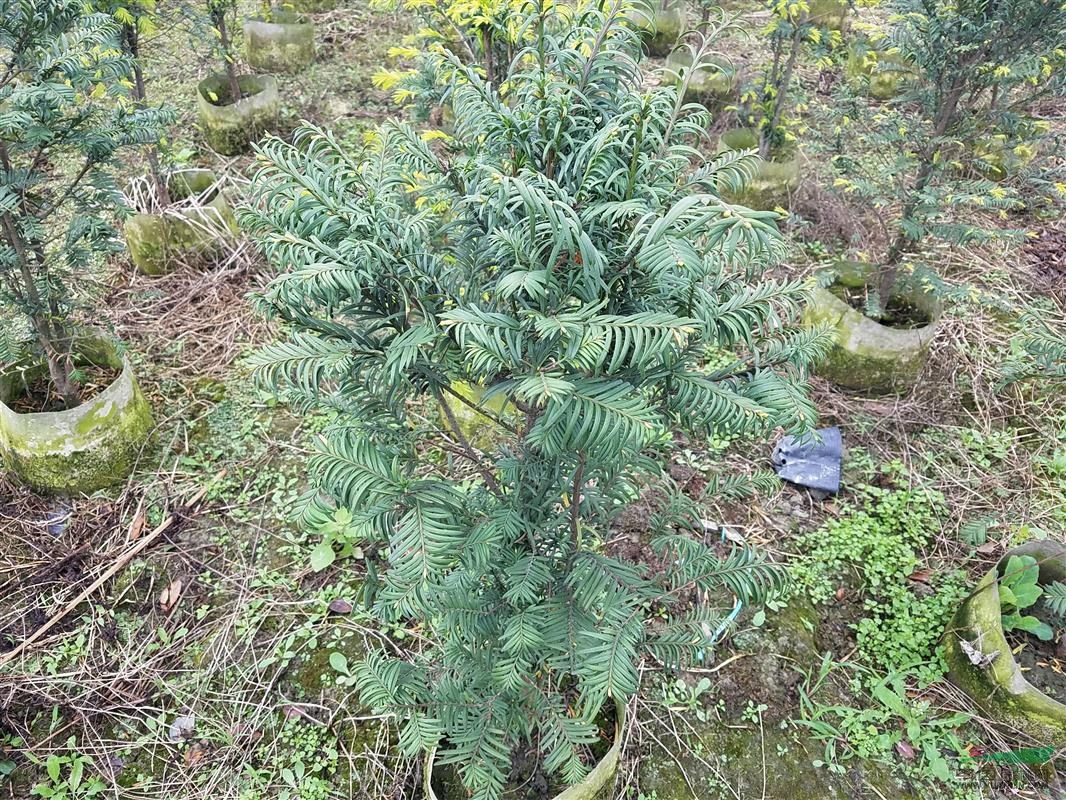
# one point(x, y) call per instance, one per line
point(812, 461)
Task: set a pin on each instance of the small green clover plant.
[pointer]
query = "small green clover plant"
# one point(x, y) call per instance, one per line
point(1019, 590)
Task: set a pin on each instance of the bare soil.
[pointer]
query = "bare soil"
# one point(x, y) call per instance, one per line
point(40, 394)
point(1043, 663)
point(897, 313)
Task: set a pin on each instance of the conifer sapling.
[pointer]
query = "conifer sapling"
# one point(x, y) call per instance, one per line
point(565, 252)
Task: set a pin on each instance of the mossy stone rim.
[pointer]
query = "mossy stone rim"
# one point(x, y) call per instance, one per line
point(598, 779)
point(157, 242)
point(82, 449)
point(832, 14)
point(867, 356)
point(282, 42)
point(229, 129)
point(712, 82)
point(776, 179)
point(1000, 689)
point(257, 92)
point(661, 28)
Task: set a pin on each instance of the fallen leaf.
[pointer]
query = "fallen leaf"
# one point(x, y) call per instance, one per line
point(903, 747)
point(733, 536)
point(339, 605)
point(921, 575)
point(168, 598)
point(988, 548)
point(195, 754)
point(137, 526)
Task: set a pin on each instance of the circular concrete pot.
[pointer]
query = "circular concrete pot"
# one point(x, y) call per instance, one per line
point(230, 129)
point(81, 449)
point(159, 242)
point(881, 75)
point(867, 356)
point(311, 6)
point(282, 42)
point(661, 27)
point(594, 786)
point(775, 181)
point(832, 14)
point(998, 686)
point(713, 85)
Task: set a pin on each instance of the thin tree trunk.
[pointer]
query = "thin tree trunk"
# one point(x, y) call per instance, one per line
point(781, 97)
point(140, 98)
point(52, 338)
point(231, 63)
point(888, 273)
point(486, 46)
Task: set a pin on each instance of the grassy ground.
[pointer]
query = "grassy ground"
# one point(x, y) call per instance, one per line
point(206, 667)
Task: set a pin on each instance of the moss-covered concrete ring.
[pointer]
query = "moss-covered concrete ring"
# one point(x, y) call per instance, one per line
point(229, 129)
point(661, 28)
point(832, 14)
point(158, 242)
point(81, 449)
point(867, 356)
point(998, 687)
point(285, 42)
point(311, 6)
point(775, 180)
point(713, 84)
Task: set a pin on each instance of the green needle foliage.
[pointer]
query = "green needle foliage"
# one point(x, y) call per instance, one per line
point(767, 106)
point(138, 19)
point(1055, 603)
point(61, 129)
point(973, 71)
point(1038, 351)
point(563, 253)
point(484, 34)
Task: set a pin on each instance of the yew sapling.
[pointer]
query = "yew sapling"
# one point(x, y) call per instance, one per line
point(62, 126)
point(562, 267)
point(974, 72)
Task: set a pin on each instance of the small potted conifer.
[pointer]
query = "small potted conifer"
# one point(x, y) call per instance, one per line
point(279, 39)
point(234, 109)
point(177, 216)
point(578, 272)
point(765, 112)
point(885, 312)
point(72, 418)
